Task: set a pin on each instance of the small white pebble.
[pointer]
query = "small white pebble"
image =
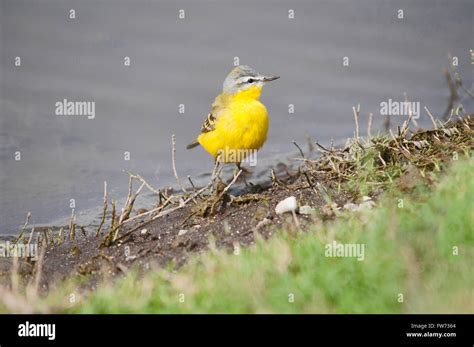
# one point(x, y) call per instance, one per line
point(287, 205)
point(144, 231)
point(182, 232)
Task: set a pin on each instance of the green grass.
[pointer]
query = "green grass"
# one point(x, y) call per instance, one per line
point(409, 251)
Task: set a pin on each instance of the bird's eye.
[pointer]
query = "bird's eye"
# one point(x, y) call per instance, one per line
point(250, 80)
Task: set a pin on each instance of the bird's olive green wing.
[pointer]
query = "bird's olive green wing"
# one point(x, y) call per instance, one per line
point(217, 106)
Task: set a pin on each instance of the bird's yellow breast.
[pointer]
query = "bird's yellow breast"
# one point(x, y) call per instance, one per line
point(242, 125)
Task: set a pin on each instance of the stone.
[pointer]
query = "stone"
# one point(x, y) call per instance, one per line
point(287, 205)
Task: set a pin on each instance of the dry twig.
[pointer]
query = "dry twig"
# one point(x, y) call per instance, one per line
point(173, 159)
point(104, 210)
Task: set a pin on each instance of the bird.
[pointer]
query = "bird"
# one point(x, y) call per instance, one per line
point(237, 124)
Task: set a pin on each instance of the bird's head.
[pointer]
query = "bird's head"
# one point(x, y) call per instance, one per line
point(243, 78)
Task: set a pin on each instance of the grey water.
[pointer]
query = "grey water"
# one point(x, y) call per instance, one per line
point(48, 159)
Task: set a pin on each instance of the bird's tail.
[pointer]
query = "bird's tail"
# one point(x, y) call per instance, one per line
point(193, 144)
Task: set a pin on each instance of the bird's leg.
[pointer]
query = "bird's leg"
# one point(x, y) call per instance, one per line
point(244, 173)
point(244, 170)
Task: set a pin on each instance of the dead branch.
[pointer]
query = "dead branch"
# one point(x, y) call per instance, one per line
point(104, 210)
point(215, 173)
point(299, 149)
point(72, 226)
point(20, 237)
point(140, 178)
point(191, 182)
point(173, 159)
point(356, 118)
point(129, 206)
point(431, 117)
point(369, 125)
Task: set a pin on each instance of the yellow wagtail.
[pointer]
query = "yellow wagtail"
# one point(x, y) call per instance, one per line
point(238, 121)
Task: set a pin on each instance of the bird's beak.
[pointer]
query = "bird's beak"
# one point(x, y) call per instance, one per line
point(270, 78)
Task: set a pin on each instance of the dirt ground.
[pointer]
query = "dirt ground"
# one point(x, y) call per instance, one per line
point(171, 239)
point(232, 213)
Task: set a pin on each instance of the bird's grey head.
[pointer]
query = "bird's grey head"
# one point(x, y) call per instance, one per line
point(243, 77)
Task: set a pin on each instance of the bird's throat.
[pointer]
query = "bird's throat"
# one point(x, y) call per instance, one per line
point(249, 93)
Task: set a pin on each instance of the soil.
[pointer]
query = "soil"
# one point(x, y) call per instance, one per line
point(231, 218)
point(171, 239)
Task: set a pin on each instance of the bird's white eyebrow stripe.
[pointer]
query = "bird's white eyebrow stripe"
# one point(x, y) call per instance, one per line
point(246, 78)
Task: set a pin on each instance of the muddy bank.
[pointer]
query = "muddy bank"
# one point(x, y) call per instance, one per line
point(229, 214)
point(228, 220)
